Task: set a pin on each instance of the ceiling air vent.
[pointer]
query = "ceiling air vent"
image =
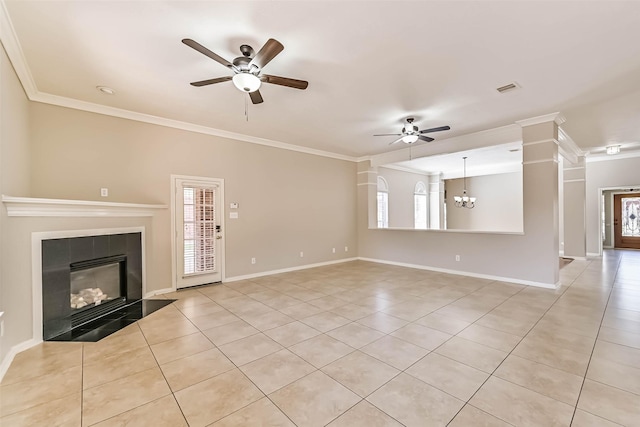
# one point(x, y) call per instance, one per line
point(507, 88)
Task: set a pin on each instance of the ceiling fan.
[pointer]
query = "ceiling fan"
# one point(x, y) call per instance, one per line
point(247, 69)
point(411, 134)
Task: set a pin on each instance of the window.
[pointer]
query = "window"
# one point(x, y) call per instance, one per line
point(199, 230)
point(383, 203)
point(631, 216)
point(420, 206)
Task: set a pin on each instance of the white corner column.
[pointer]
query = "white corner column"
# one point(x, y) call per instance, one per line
point(540, 191)
point(436, 202)
point(367, 182)
point(574, 207)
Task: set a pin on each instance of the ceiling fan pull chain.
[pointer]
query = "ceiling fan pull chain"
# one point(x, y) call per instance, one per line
point(246, 107)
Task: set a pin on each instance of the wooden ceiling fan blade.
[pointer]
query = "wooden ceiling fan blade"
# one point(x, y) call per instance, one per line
point(425, 138)
point(284, 81)
point(256, 98)
point(203, 50)
point(269, 51)
point(438, 129)
point(388, 134)
point(211, 81)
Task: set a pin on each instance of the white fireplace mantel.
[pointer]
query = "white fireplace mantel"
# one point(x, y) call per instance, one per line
point(37, 207)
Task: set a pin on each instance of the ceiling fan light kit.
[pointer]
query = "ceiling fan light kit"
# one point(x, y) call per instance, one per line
point(613, 149)
point(246, 82)
point(409, 139)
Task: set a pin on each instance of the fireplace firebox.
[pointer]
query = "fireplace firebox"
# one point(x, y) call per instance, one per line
point(98, 286)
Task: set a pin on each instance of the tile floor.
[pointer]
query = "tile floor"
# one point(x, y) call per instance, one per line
point(355, 344)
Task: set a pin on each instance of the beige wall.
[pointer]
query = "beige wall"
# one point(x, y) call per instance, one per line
point(14, 178)
point(288, 201)
point(498, 206)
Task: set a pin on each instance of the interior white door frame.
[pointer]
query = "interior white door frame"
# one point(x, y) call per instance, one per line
point(174, 243)
point(621, 189)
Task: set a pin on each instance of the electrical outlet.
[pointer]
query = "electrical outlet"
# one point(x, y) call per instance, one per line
point(301, 254)
point(104, 192)
point(333, 250)
point(346, 248)
point(253, 260)
point(457, 257)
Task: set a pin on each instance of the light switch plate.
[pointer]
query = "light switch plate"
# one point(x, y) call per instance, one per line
point(233, 215)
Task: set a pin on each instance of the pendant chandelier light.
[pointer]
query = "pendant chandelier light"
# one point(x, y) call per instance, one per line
point(464, 201)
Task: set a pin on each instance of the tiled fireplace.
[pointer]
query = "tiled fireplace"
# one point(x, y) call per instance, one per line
point(85, 278)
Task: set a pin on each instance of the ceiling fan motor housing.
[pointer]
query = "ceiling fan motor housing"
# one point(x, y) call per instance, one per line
point(247, 50)
point(242, 62)
point(410, 129)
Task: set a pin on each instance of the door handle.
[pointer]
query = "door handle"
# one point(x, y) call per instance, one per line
point(218, 237)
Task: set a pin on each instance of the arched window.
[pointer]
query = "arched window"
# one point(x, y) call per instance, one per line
point(420, 206)
point(383, 203)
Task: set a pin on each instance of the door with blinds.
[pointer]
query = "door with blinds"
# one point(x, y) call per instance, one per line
point(198, 231)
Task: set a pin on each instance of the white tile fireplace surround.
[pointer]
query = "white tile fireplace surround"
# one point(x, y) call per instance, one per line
point(57, 208)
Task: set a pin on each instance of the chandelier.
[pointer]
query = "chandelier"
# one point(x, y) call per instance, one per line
point(464, 201)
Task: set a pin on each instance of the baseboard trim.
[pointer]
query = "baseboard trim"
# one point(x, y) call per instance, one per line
point(6, 362)
point(593, 254)
point(575, 258)
point(158, 292)
point(465, 273)
point(287, 270)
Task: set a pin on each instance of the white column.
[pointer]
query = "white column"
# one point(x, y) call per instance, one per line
point(436, 202)
point(540, 191)
point(367, 182)
point(574, 205)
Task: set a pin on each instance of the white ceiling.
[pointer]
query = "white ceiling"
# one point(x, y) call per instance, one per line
point(369, 65)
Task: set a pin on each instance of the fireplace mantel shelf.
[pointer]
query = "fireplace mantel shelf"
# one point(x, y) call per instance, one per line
point(37, 207)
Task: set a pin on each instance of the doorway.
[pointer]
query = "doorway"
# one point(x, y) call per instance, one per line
point(198, 231)
point(626, 220)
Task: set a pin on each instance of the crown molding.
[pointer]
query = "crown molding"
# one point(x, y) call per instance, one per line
point(568, 148)
point(61, 101)
point(552, 117)
point(14, 52)
point(407, 169)
point(608, 157)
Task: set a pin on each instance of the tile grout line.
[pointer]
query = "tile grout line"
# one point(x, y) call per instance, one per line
point(245, 375)
point(595, 342)
point(171, 392)
point(509, 353)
